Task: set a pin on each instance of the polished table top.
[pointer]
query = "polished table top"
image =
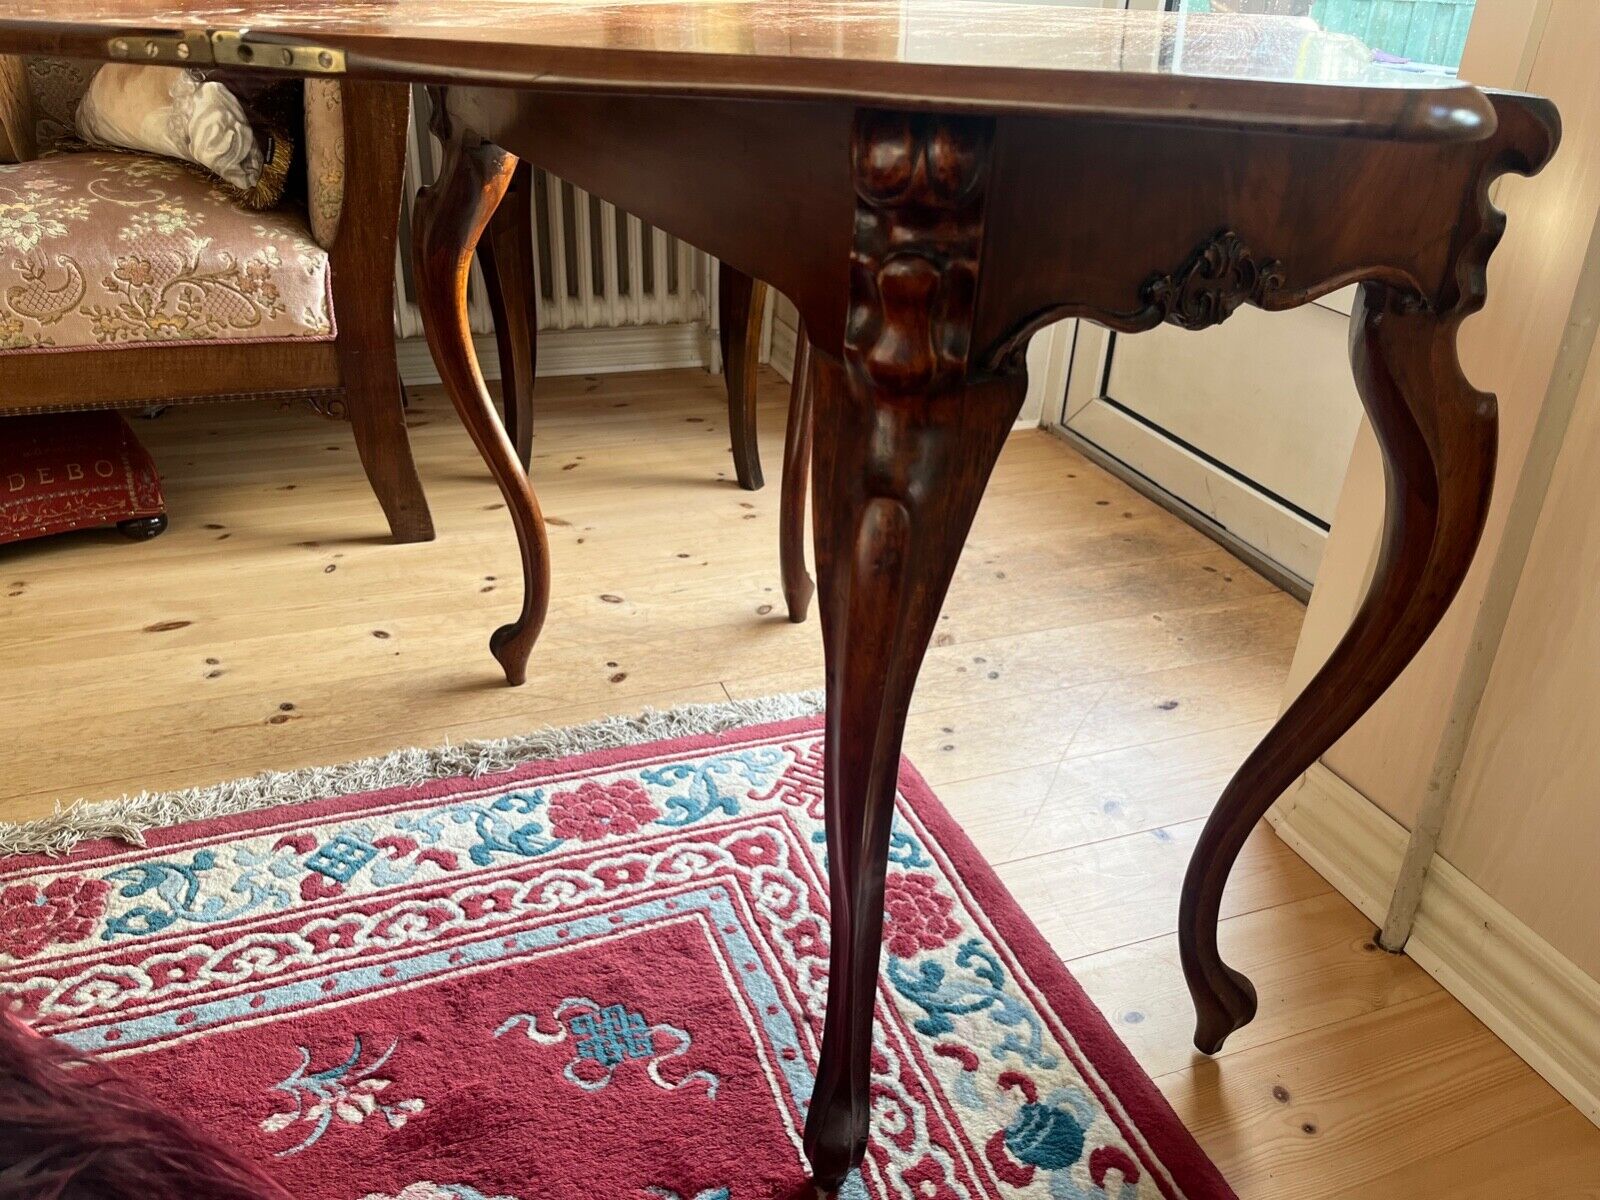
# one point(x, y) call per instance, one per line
point(949, 54)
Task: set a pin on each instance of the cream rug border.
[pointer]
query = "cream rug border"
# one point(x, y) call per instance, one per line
point(128, 818)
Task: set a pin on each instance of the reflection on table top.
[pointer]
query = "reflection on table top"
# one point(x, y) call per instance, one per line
point(1071, 57)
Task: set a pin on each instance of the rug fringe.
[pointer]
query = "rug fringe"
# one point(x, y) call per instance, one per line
point(128, 818)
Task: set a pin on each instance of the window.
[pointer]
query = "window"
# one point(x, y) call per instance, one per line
point(1409, 35)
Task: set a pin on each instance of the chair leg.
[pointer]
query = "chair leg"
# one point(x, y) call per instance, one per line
point(797, 585)
point(377, 417)
point(506, 256)
point(741, 300)
point(363, 297)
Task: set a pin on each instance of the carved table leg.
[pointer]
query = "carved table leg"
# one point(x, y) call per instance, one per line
point(907, 431)
point(740, 301)
point(507, 259)
point(1438, 436)
point(450, 218)
point(797, 585)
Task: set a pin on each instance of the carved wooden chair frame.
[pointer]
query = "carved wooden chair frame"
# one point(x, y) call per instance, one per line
point(355, 376)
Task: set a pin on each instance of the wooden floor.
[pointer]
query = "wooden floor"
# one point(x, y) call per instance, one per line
point(1099, 670)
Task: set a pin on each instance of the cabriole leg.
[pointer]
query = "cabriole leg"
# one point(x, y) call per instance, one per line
point(1438, 436)
point(506, 256)
point(450, 218)
point(906, 433)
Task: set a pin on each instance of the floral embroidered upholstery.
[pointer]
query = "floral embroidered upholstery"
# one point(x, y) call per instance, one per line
point(324, 157)
point(120, 249)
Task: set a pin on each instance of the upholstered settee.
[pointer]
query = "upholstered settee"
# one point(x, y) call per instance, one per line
point(128, 280)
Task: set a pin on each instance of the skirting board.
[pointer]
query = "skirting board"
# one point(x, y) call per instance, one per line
point(577, 352)
point(1278, 533)
point(1534, 1000)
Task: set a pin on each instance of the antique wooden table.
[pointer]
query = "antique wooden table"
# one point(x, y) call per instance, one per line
point(930, 181)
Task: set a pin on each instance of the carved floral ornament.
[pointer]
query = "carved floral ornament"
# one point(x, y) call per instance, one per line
point(919, 181)
point(1221, 275)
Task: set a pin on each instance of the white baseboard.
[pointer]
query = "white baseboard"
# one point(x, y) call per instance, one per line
point(578, 352)
point(1535, 1000)
point(1350, 841)
point(1273, 530)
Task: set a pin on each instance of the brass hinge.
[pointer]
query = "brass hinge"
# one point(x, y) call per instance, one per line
point(224, 47)
point(239, 49)
point(191, 47)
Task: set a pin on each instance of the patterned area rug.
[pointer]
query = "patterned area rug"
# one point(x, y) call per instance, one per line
point(596, 978)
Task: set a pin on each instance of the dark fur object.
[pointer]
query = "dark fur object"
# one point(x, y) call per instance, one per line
point(70, 1131)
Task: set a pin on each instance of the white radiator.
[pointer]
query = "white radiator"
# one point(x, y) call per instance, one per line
point(597, 269)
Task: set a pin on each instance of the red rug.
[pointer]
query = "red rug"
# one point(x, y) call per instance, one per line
point(600, 978)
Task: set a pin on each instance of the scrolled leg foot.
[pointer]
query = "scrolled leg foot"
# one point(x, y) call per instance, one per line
point(839, 1142)
point(511, 645)
point(1223, 1008)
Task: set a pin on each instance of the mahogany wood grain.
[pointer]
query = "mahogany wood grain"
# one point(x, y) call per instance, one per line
point(1228, 69)
point(449, 218)
point(740, 301)
point(667, 161)
point(507, 257)
point(887, 544)
point(906, 432)
point(375, 119)
point(1097, 244)
point(798, 587)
